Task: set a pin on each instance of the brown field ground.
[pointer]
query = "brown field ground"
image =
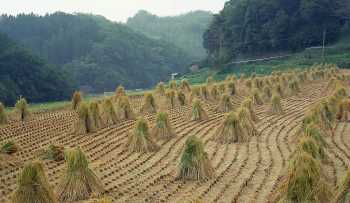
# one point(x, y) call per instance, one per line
point(244, 172)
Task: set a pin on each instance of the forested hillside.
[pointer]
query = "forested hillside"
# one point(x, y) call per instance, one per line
point(254, 27)
point(22, 73)
point(96, 52)
point(184, 31)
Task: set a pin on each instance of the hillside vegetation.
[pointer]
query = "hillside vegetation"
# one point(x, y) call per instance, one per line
point(23, 73)
point(246, 28)
point(97, 53)
point(184, 31)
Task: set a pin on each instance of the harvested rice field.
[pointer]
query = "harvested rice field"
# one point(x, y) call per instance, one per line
point(239, 140)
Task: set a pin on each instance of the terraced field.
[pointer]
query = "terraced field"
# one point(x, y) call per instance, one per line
point(244, 172)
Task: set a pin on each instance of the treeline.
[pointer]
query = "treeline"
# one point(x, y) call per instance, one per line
point(24, 74)
point(97, 53)
point(256, 27)
point(184, 31)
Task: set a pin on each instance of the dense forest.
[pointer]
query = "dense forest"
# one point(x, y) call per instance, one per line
point(97, 53)
point(24, 74)
point(184, 31)
point(253, 27)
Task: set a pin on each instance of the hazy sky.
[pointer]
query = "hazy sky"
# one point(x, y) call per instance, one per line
point(117, 10)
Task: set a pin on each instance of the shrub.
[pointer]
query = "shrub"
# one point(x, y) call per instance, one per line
point(33, 186)
point(78, 181)
point(53, 152)
point(139, 138)
point(9, 147)
point(194, 163)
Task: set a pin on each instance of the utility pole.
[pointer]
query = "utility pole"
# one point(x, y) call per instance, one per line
point(323, 44)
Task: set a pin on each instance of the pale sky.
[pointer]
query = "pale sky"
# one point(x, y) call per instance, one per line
point(116, 10)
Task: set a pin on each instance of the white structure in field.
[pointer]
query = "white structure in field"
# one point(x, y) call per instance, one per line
point(173, 75)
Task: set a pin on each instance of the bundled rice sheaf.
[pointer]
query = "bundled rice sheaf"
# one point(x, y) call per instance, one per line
point(340, 92)
point(181, 97)
point(326, 116)
point(124, 110)
point(279, 90)
point(342, 194)
point(162, 128)
point(210, 80)
point(109, 115)
point(256, 98)
point(267, 93)
point(204, 92)
point(313, 131)
point(343, 113)
point(222, 88)
point(248, 103)
point(76, 100)
point(84, 124)
point(78, 181)
point(194, 163)
point(149, 104)
point(230, 131)
point(53, 152)
point(185, 86)
point(96, 115)
point(305, 182)
point(225, 104)
point(160, 89)
point(33, 186)
point(170, 98)
point(248, 83)
point(214, 93)
point(310, 146)
point(173, 85)
point(293, 86)
point(231, 88)
point(119, 92)
point(276, 107)
point(140, 140)
point(3, 116)
point(22, 109)
point(195, 93)
point(246, 122)
point(197, 113)
point(9, 147)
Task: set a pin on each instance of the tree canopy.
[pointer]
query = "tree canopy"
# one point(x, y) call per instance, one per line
point(184, 31)
point(97, 53)
point(24, 74)
point(256, 27)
